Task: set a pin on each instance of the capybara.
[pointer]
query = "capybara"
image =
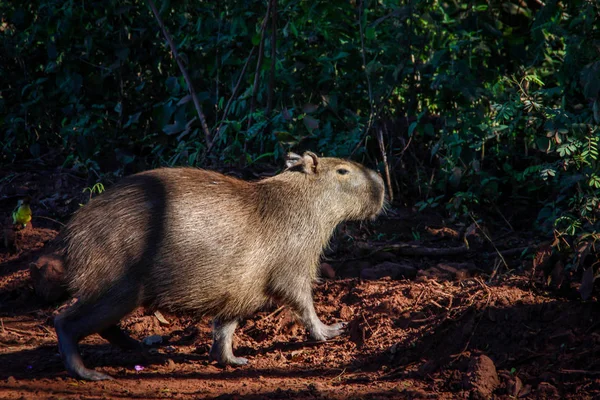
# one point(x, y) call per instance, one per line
point(193, 240)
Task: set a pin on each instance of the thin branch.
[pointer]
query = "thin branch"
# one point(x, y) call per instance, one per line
point(233, 94)
point(183, 71)
point(364, 60)
point(414, 250)
point(579, 372)
point(49, 219)
point(388, 181)
point(489, 240)
point(328, 104)
point(261, 53)
point(273, 58)
point(405, 249)
point(400, 12)
point(218, 65)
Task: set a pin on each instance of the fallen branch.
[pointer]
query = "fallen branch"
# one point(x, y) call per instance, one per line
point(21, 332)
point(184, 72)
point(414, 250)
point(579, 372)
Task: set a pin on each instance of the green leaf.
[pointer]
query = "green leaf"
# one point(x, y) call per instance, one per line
point(411, 128)
point(133, 119)
point(370, 33)
point(293, 29)
point(310, 123)
point(172, 85)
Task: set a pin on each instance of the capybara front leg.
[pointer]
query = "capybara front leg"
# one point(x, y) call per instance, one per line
point(222, 347)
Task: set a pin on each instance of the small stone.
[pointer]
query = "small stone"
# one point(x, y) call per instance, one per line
point(459, 271)
point(11, 380)
point(514, 386)
point(525, 391)
point(481, 377)
point(152, 340)
point(170, 349)
point(546, 390)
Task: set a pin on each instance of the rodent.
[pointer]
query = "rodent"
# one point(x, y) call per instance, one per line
point(194, 240)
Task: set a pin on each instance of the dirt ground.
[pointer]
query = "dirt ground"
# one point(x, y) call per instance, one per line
point(432, 325)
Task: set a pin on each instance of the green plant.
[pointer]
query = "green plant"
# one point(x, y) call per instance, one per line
point(98, 188)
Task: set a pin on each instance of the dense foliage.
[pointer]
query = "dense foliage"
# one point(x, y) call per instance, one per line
point(479, 103)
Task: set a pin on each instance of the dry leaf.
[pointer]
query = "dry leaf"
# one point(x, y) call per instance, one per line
point(558, 274)
point(311, 123)
point(161, 318)
point(542, 256)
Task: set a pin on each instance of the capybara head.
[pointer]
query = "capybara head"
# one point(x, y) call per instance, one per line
point(342, 187)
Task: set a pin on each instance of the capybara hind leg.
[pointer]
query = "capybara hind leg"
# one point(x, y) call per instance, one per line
point(69, 352)
point(319, 331)
point(118, 337)
point(222, 347)
point(81, 320)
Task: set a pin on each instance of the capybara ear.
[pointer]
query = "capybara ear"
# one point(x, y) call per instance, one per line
point(306, 163)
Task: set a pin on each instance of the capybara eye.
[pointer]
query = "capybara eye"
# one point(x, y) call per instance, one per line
point(342, 171)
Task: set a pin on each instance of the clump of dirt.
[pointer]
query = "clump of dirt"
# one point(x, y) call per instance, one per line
point(481, 377)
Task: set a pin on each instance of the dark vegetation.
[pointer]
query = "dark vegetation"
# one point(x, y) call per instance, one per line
point(479, 104)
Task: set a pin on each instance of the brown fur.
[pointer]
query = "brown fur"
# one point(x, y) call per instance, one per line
point(196, 240)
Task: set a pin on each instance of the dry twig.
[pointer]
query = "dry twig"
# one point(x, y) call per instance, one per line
point(21, 332)
point(579, 372)
point(184, 72)
point(369, 88)
point(489, 240)
point(261, 53)
point(228, 105)
point(273, 58)
point(386, 167)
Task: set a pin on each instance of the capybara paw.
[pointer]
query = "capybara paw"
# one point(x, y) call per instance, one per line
point(92, 375)
point(329, 331)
